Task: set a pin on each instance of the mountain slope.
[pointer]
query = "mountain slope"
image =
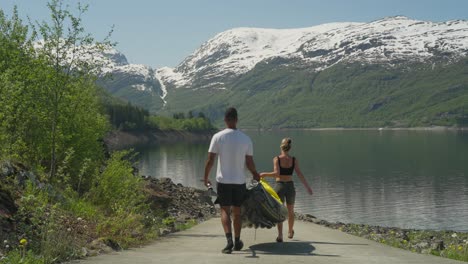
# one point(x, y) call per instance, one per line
point(136, 83)
point(351, 95)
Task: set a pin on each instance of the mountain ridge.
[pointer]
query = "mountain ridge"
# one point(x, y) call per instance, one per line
point(388, 39)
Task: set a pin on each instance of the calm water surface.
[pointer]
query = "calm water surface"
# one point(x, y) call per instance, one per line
point(409, 179)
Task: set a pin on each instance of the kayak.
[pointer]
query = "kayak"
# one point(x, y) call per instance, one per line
point(262, 207)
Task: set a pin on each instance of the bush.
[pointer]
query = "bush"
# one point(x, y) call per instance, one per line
point(126, 229)
point(117, 189)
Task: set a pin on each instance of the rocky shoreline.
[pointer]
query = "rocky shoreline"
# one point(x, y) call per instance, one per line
point(184, 205)
point(450, 244)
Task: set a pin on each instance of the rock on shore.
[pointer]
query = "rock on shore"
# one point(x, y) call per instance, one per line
point(181, 203)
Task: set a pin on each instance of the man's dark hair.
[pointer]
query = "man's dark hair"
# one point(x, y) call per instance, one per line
point(230, 114)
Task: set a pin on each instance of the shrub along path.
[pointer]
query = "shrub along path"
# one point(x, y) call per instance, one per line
point(312, 244)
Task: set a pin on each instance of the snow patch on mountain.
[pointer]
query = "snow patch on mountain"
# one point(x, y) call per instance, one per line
point(387, 40)
point(158, 76)
point(140, 87)
point(172, 76)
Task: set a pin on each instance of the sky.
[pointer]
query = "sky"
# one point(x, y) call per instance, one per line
point(162, 33)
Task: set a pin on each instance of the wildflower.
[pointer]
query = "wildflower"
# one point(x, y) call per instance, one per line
point(23, 242)
point(79, 219)
point(454, 235)
point(7, 246)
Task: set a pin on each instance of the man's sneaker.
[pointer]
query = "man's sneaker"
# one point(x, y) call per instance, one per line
point(238, 245)
point(228, 248)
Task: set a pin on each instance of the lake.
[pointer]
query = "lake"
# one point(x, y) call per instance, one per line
point(402, 178)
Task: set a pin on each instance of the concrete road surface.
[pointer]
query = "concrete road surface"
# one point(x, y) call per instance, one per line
point(312, 243)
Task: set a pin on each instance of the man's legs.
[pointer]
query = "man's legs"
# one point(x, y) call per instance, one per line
point(231, 197)
point(226, 222)
point(226, 219)
point(236, 211)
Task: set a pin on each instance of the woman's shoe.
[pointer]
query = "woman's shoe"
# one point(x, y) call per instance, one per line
point(291, 235)
point(279, 239)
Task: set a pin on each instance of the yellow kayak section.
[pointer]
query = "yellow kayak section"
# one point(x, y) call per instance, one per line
point(270, 190)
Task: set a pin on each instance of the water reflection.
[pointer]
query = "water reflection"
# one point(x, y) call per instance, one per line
point(182, 162)
point(411, 179)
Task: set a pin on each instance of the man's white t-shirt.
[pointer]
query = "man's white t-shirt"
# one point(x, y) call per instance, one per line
point(232, 146)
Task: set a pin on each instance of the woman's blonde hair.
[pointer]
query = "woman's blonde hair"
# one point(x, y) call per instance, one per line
point(285, 144)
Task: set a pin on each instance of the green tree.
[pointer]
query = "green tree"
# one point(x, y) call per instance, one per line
point(18, 69)
point(201, 115)
point(190, 114)
point(63, 50)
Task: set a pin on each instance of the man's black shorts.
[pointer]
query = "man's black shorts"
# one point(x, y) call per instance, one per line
point(231, 194)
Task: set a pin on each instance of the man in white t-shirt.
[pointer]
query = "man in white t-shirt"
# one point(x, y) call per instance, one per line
point(235, 152)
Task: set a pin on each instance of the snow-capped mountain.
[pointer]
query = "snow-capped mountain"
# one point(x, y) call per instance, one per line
point(136, 83)
point(245, 64)
point(390, 40)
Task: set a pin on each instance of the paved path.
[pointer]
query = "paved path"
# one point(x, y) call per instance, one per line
point(312, 244)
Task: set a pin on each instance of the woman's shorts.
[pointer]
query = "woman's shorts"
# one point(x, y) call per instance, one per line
point(231, 194)
point(286, 192)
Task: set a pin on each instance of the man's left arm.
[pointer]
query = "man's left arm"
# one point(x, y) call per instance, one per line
point(249, 162)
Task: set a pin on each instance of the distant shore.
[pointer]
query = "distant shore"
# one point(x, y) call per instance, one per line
point(434, 128)
point(124, 139)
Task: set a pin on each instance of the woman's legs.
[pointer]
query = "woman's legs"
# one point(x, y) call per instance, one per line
point(290, 223)
point(290, 220)
point(280, 232)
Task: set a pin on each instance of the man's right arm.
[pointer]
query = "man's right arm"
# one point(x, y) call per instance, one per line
point(249, 162)
point(208, 165)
